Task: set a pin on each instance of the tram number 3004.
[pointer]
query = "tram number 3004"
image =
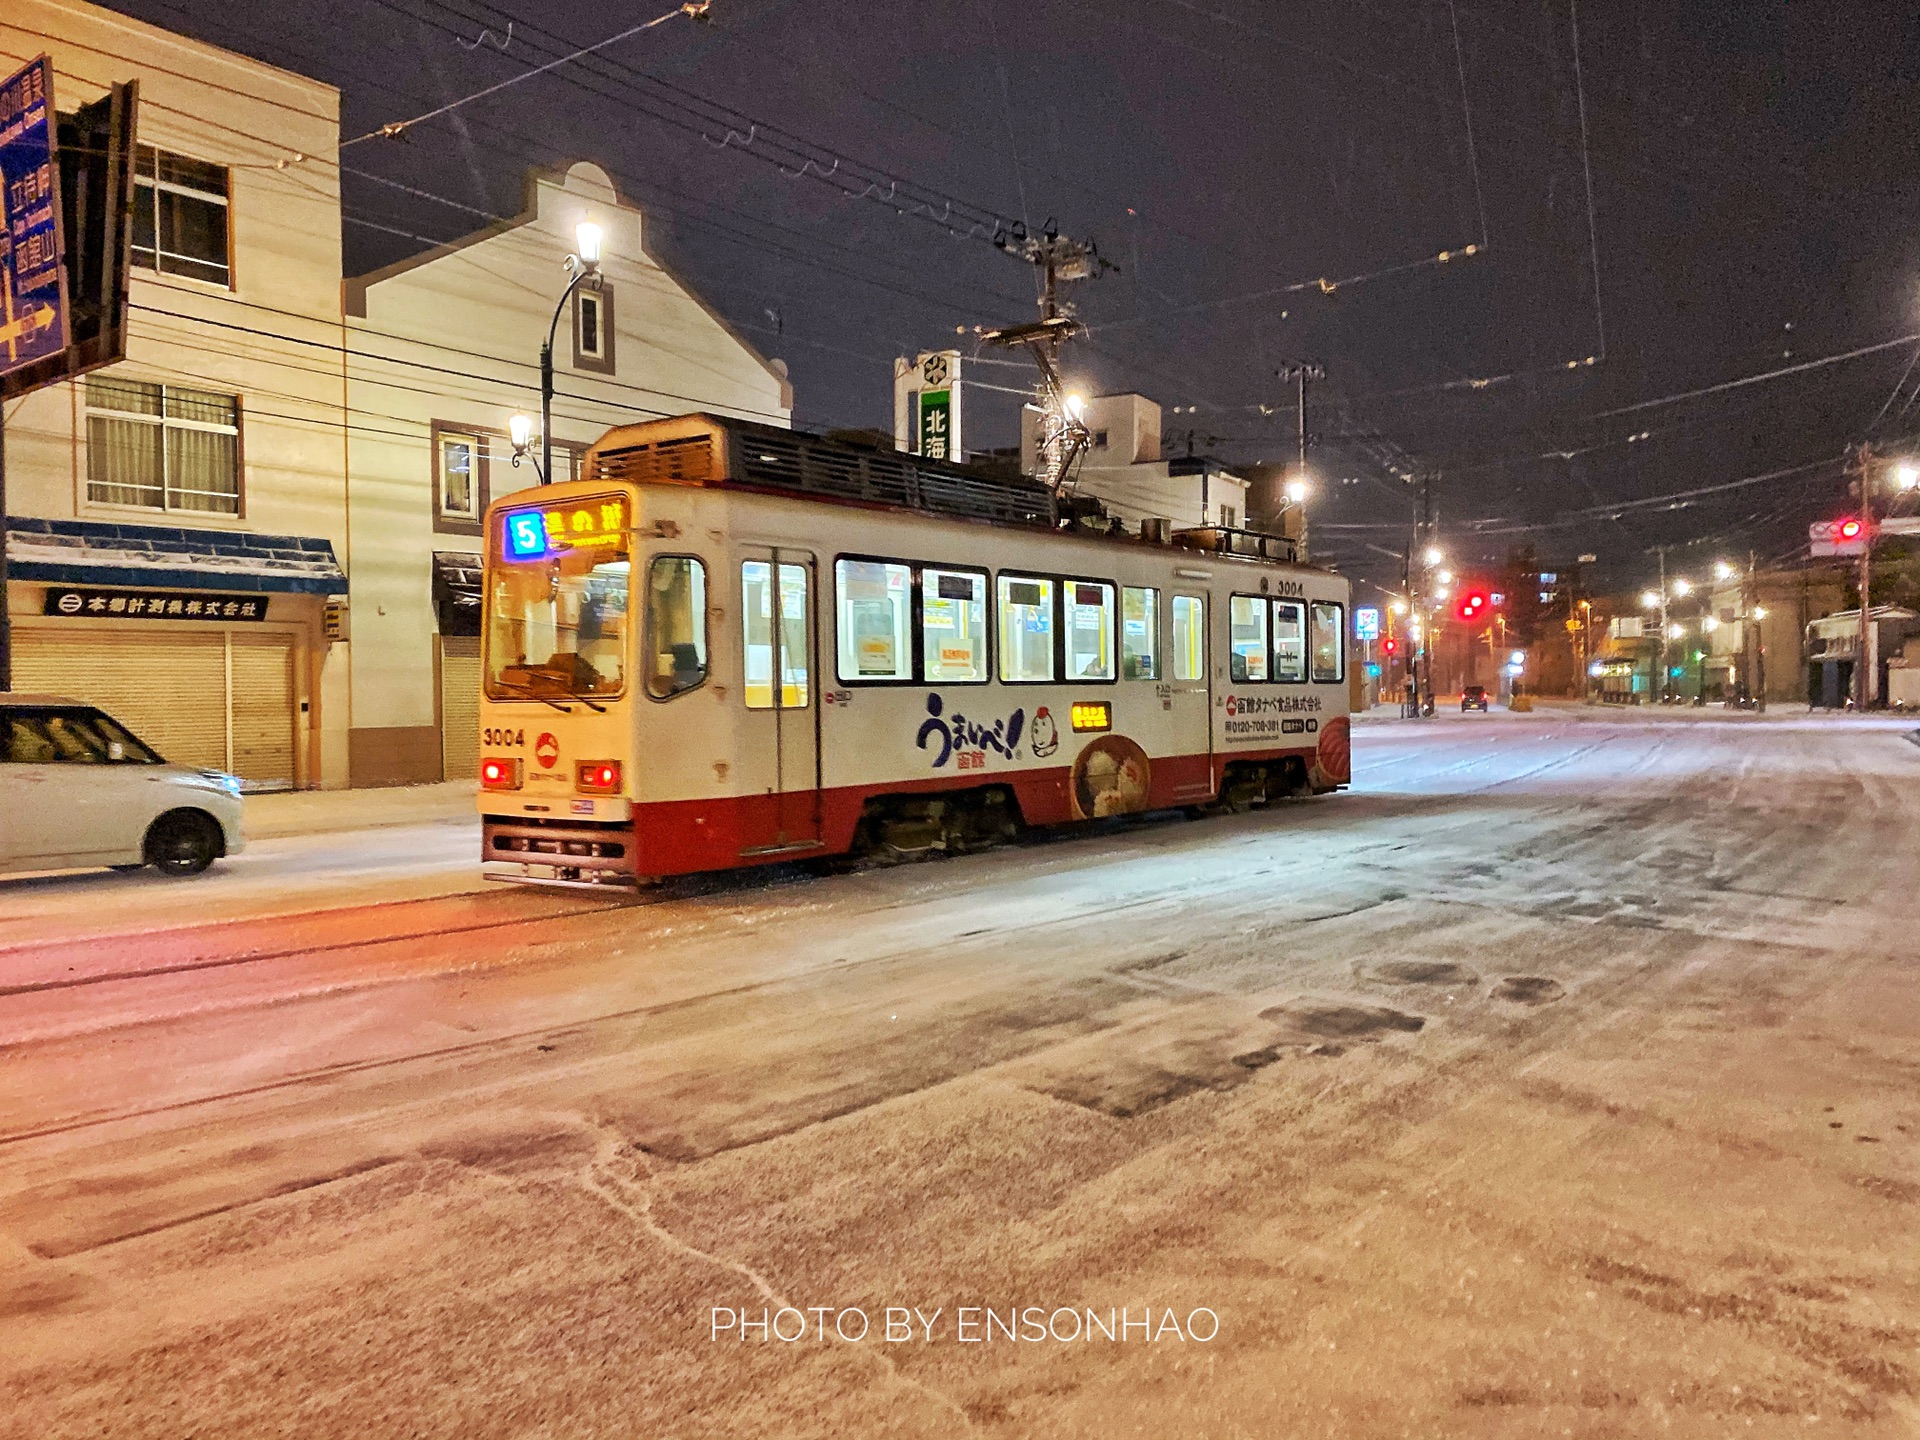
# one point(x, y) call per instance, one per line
point(504, 737)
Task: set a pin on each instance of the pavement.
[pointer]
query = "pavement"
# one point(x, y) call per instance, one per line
point(329, 812)
point(1556, 1080)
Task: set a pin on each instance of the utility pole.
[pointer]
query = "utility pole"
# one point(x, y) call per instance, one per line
point(1865, 662)
point(1756, 650)
point(1059, 259)
point(1661, 694)
point(1302, 371)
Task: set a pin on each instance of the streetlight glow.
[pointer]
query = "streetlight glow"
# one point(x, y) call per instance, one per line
point(1759, 613)
point(1077, 406)
point(1683, 587)
point(1446, 577)
point(587, 237)
point(1434, 557)
point(1676, 630)
point(1710, 624)
point(1296, 491)
point(1907, 475)
point(1722, 570)
point(1649, 600)
point(520, 431)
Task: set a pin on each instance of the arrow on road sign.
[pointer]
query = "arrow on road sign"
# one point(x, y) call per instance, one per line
point(24, 326)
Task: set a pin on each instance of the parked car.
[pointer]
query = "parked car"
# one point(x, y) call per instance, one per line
point(77, 789)
point(1474, 697)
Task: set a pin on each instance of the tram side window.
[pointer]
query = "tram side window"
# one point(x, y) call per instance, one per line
point(1139, 634)
point(1289, 642)
point(1089, 629)
point(953, 626)
point(1329, 642)
point(1189, 637)
point(876, 619)
point(1026, 628)
point(759, 633)
point(676, 625)
point(1247, 618)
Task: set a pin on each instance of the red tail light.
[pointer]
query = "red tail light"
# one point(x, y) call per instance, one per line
point(497, 773)
point(597, 777)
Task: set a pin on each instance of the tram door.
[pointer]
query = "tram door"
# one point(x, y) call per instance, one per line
point(780, 753)
point(1189, 677)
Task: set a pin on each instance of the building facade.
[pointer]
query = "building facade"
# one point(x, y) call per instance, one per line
point(442, 350)
point(176, 522)
point(256, 538)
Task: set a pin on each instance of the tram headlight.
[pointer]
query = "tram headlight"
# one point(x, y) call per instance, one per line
point(499, 773)
point(597, 777)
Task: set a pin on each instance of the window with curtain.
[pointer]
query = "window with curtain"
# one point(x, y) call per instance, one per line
point(162, 447)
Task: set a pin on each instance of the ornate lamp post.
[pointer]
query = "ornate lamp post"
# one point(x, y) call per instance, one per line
point(582, 267)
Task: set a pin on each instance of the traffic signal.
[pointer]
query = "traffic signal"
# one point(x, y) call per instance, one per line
point(1470, 604)
point(1389, 646)
point(1848, 529)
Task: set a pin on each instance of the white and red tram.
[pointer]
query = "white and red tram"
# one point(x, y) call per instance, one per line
point(733, 644)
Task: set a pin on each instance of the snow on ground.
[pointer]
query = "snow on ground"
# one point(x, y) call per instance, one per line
point(1557, 1080)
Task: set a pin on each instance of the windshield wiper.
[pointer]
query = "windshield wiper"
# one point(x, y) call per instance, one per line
point(527, 690)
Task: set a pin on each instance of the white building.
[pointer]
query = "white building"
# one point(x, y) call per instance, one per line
point(427, 449)
point(179, 522)
point(176, 521)
point(1125, 469)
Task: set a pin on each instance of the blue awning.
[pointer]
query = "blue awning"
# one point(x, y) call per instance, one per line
point(89, 552)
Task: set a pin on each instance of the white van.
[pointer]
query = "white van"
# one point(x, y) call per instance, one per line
point(78, 790)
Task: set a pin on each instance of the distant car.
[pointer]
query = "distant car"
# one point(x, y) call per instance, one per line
point(77, 790)
point(1474, 697)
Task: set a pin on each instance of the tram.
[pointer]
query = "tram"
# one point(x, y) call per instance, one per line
point(732, 644)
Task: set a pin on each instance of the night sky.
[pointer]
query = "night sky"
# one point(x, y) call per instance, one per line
point(1754, 205)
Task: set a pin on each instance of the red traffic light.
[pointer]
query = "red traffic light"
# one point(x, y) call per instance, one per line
point(1389, 646)
point(1471, 604)
point(1847, 529)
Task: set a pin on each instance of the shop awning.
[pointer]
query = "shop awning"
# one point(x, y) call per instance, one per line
point(456, 591)
point(88, 552)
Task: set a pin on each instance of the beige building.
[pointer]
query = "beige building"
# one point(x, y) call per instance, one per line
point(177, 522)
point(443, 349)
point(255, 539)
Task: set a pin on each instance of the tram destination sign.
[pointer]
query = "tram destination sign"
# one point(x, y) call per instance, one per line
point(86, 602)
point(33, 283)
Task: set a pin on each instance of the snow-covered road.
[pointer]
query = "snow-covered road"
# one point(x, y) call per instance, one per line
point(1558, 1079)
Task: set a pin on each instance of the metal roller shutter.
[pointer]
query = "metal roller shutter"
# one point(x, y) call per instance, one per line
point(170, 689)
point(459, 707)
point(263, 709)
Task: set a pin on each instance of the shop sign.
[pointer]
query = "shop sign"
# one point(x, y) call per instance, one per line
point(86, 602)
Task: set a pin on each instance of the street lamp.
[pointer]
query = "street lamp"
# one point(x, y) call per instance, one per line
point(520, 433)
point(1722, 570)
point(1649, 599)
point(1434, 555)
point(1906, 475)
point(1683, 588)
point(582, 266)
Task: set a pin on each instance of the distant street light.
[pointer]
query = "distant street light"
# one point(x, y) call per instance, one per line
point(1676, 630)
point(1434, 555)
point(520, 432)
point(1722, 570)
point(1710, 624)
point(1649, 599)
point(1907, 475)
point(1683, 587)
point(1445, 577)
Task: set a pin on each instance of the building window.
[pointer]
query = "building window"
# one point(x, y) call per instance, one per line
point(1189, 637)
point(1139, 634)
point(1247, 619)
point(180, 216)
point(1026, 628)
point(1099, 439)
point(876, 607)
point(593, 329)
point(1329, 642)
point(162, 447)
point(459, 470)
point(463, 476)
point(676, 626)
point(1229, 517)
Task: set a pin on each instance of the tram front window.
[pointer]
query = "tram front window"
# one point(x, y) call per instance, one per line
point(557, 625)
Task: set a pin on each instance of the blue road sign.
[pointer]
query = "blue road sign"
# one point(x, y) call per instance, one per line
point(33, 284)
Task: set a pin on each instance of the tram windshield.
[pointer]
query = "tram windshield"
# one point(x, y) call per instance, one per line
point(558, 601)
